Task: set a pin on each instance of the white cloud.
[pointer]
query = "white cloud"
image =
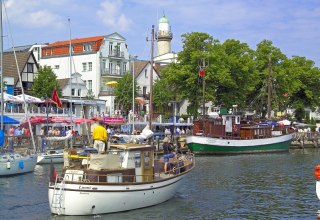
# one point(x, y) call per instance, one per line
point(30, 13)
point(111, 14)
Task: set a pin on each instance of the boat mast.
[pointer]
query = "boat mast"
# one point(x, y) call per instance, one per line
point(70, 63)
point(269, 88)
point(151, 80)
point(1, 63)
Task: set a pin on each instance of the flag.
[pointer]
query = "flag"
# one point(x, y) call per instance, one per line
point(201, 72)
point(53, 173)
point(55, 98)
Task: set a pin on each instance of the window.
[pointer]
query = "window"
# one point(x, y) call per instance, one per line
point(124, 67)
point(72, 91)
point(146, 73)
point(110, 48)
point(90, 66)
point(84, 67)
point(79, 92)
point(104, 64)
point(90, 85)
point(110, 68)
point(29, 67)
point(144, 92)
point(56, 67)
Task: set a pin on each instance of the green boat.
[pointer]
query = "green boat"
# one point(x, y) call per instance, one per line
point(228, 135)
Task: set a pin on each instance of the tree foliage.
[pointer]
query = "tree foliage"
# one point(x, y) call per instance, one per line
point(123, 91)
point(236, 74)
point(44, 84)
point(162, 95)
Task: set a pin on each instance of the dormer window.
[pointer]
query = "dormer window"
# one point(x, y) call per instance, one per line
point(87, 47)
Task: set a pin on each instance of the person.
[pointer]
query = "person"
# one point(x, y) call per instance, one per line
point(167, 153)
point(63, 132)
point(11, 134)
point(99, 137)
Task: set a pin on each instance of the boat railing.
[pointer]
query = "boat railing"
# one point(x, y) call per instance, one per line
point(117, 177)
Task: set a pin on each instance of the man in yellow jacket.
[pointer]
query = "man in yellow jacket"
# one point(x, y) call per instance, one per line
point(100, 137)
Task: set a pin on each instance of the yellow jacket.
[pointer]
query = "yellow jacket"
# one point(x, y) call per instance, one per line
point(100, 133)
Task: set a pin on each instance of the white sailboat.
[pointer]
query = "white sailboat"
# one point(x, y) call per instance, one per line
point(11, 162)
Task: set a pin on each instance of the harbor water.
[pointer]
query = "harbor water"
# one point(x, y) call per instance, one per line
point(261, 186)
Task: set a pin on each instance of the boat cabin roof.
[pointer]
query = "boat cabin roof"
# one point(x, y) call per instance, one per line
point(132, 147)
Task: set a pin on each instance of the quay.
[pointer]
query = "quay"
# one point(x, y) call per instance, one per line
point(306, 140)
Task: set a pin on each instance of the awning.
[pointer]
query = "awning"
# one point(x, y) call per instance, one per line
point(114, 121)
point(8, 120)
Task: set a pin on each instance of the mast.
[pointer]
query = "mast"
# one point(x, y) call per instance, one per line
point(70, 74)
point(1, 63)
point(151, 80)
point(269, 88)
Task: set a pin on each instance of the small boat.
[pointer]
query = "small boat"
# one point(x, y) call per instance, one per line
point(50, 156)
point(14, 164)
point(127, 177)
point(53, 155)
point(227, 135)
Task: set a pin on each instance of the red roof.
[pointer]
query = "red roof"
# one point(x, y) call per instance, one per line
point(76, 41)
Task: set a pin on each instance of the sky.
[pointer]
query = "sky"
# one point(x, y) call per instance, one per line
point(292, 25)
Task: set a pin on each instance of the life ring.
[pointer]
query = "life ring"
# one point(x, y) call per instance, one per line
point(317, 172)
point(234, 128)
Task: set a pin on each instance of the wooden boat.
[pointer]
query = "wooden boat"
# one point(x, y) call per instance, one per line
point(227, 135)
point(127, 177)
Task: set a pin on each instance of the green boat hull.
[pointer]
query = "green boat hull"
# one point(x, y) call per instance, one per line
point(217, 146)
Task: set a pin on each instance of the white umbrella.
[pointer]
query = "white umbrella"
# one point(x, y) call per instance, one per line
point(10, 98)
point(29, 98)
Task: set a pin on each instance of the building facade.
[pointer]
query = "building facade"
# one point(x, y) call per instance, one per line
point(99, 60)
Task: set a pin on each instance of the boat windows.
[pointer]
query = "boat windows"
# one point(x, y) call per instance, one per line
point(146, 159)
point(114, 178)
point(137, 160)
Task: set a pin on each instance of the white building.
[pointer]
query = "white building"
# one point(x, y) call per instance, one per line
point(98, 59)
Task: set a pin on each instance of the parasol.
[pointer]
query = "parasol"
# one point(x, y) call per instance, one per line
point(112, 83)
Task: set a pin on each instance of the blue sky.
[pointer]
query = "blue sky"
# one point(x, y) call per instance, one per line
point(292, 25)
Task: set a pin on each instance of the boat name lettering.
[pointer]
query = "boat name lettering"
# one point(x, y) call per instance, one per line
point(84, 187)
point(211, 141)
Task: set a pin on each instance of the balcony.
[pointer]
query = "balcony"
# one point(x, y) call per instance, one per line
point(116, 54)
point(106, 91)
point(111, 72)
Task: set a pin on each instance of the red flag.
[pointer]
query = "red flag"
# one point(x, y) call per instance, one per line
point(201, 72)
point(55, 98)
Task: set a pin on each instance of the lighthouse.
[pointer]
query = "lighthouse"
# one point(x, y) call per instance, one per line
point(163, 36)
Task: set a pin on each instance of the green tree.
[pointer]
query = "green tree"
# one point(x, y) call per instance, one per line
point(269, 64)
point(183, 77)
point(162, 95)
point(44, 84)
point(304, 86)
point(236, 76)
point(123, 91)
